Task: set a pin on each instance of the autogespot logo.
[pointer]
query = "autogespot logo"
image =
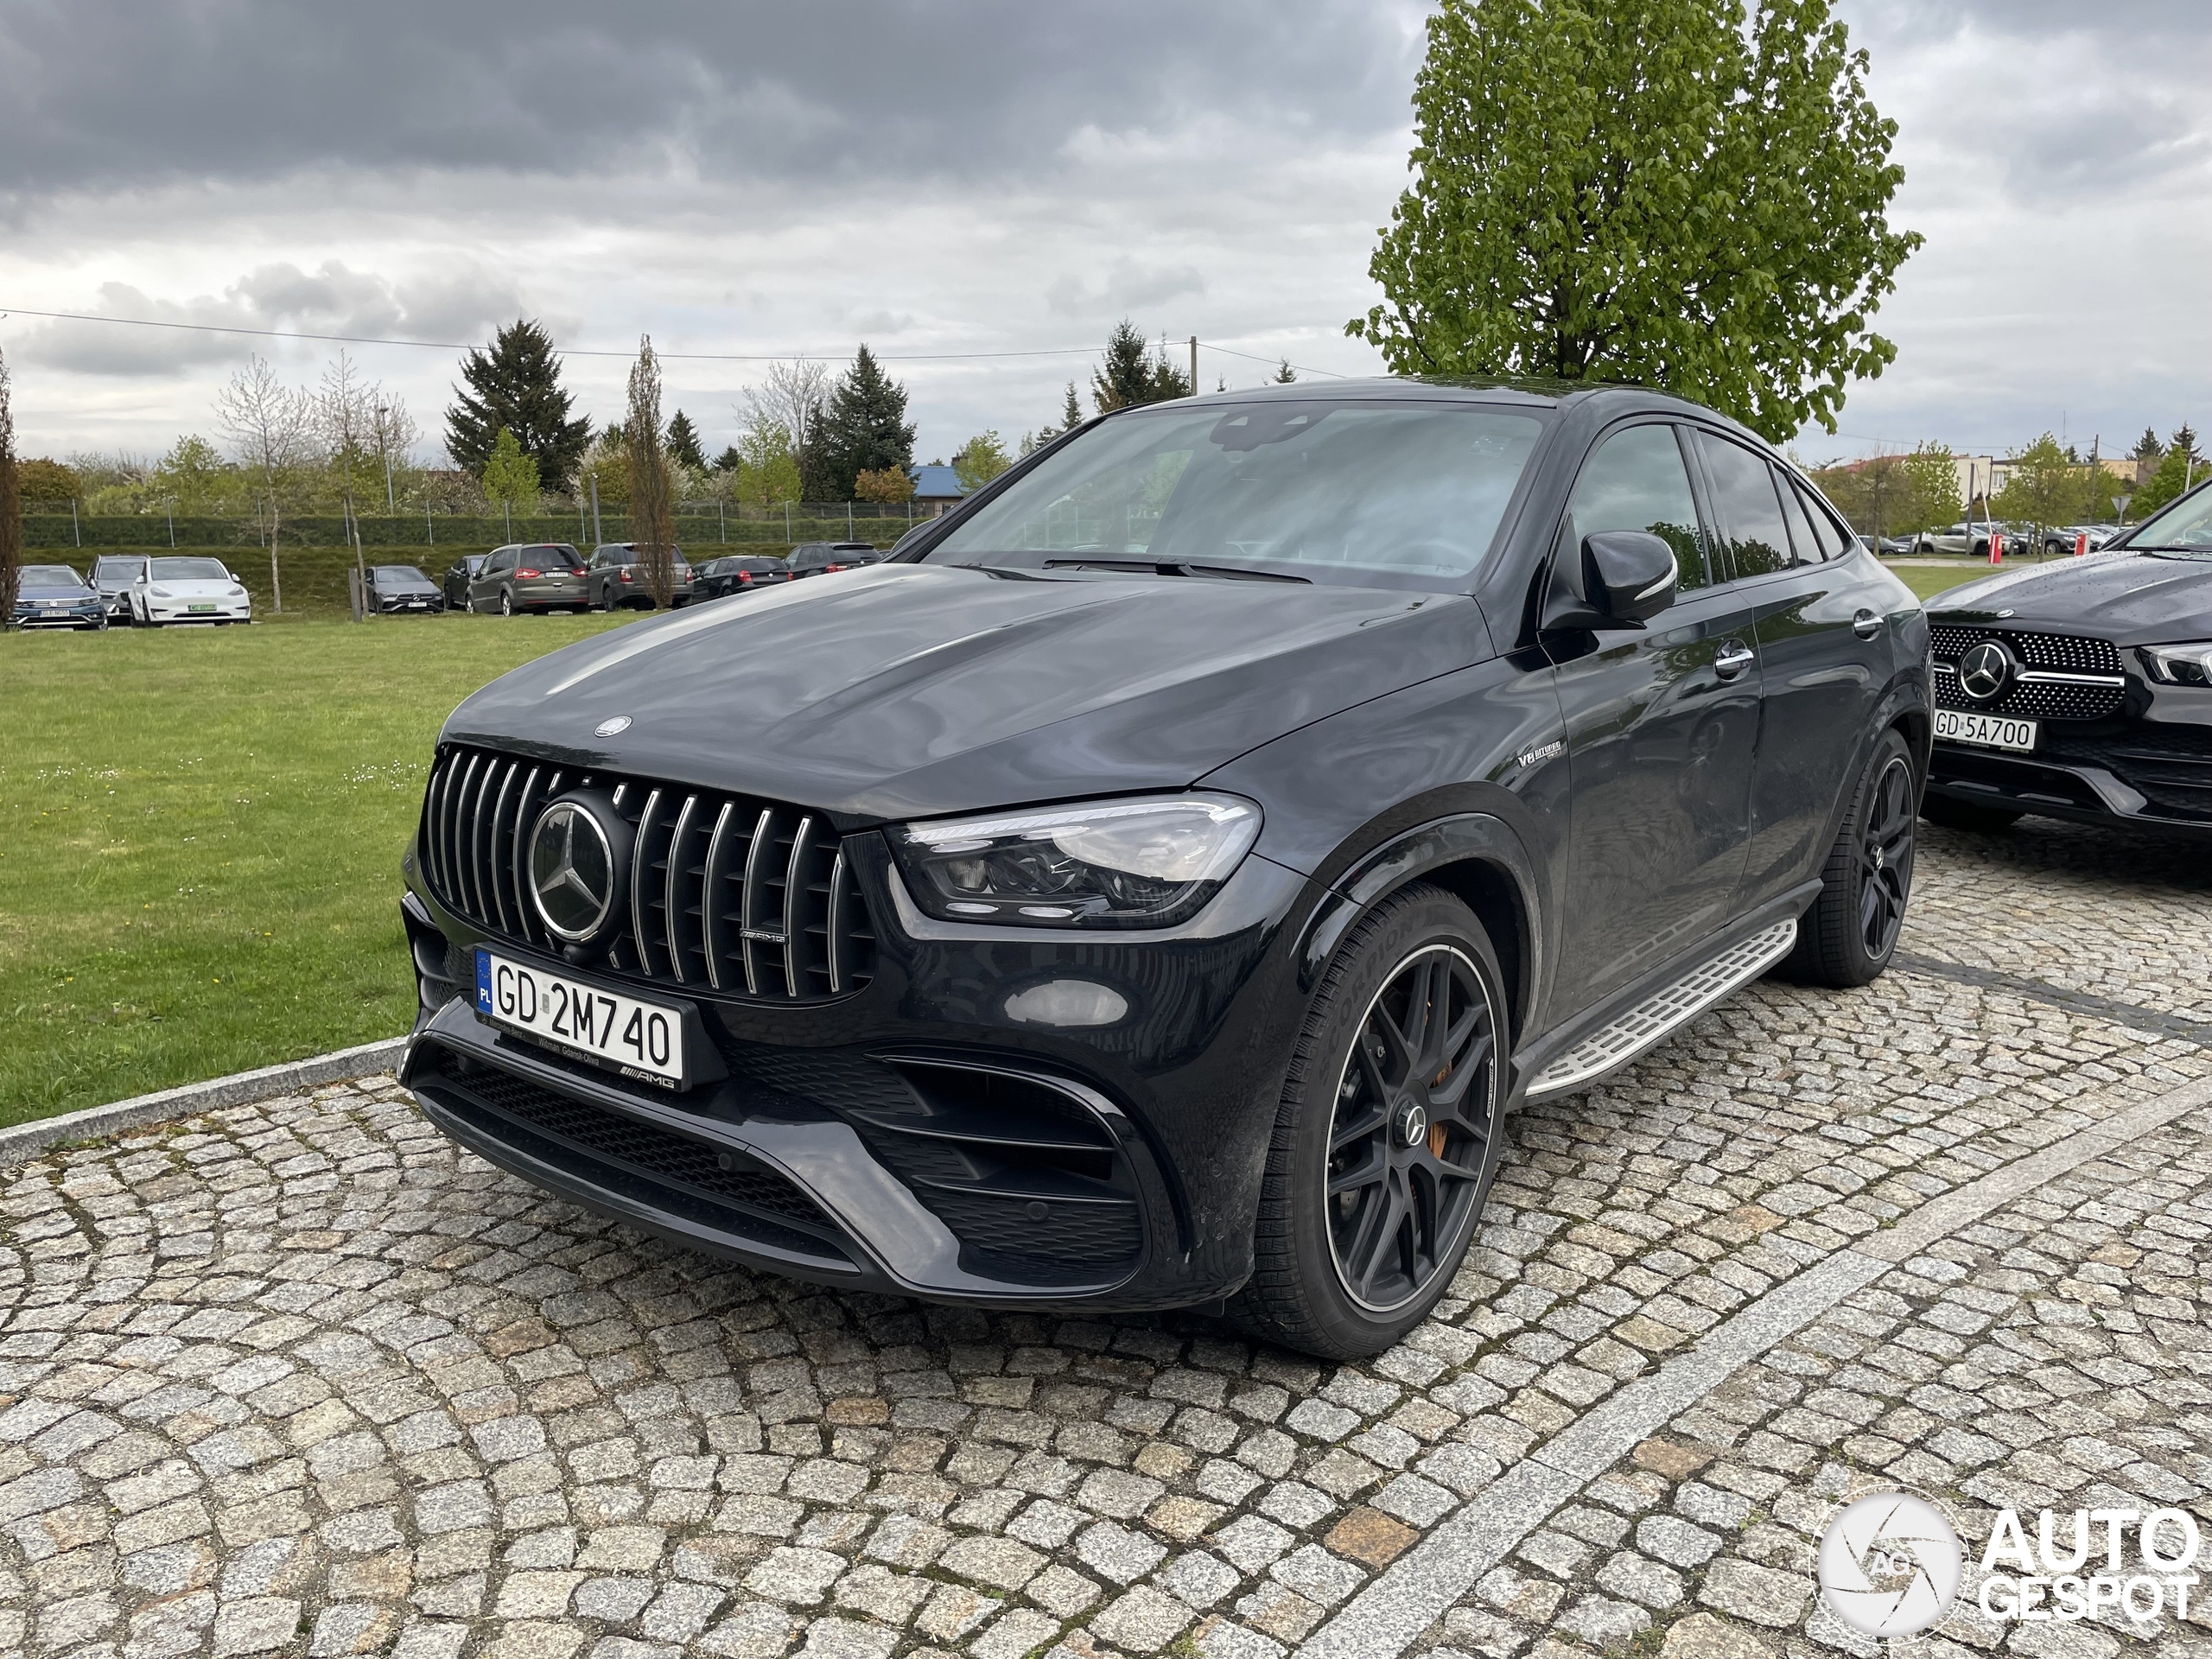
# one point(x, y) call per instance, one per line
point(1890, 1565)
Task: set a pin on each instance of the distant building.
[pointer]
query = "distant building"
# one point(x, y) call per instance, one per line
point(937, 488)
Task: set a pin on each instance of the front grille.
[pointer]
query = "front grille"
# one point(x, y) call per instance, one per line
point(612, 1150)
point(2170, 766)
point(746, 898)
point(2026, 699)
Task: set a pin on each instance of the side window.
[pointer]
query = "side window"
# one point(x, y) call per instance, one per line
point(1835, 540)
point(1810, 551)
point(1635, 480)
point(496, 563)
point(1744, 502)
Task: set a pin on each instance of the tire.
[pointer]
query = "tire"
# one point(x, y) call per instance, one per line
point(1965, 815)
point(1848, 936)
point(506, 602)
point(1345, 1273)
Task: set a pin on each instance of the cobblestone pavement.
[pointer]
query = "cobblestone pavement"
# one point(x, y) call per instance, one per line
point(301, 1377)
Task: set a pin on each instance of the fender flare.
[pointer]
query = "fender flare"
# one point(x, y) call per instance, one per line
point(1406, 857)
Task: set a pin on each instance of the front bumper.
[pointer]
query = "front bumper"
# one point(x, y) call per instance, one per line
point(2153, 773)
point(426, 604)
point(198, 610)
point(914, 1138)
point(88, 615)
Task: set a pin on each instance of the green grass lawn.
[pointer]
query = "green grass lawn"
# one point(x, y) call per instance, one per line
point(1929, 580)
point(199, 841)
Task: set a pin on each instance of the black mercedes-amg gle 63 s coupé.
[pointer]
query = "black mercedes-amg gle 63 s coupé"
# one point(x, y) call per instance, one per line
point(2081, 689)
point(1153, 885)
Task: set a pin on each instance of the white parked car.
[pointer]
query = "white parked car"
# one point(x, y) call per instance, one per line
point(183, 589)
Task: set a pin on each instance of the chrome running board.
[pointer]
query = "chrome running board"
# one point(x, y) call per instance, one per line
point(1665, 1012)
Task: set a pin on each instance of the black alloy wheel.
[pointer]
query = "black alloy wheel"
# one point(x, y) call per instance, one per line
point(1387, 1134)
point(1847, 935)
point(1885, 858)
point(1404, 1164)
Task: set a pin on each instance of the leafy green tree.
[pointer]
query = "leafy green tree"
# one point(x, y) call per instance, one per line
point(652, 489)
point(44, 482)
point(864, 427)
point(683, 443)
point(1131, 372)
point(1931, 496)
point(516, 384)
point(2176, 472)
point(1648, 191)
point(193, 475)
point(511, 476)
point(980, 460)
point(767, 471)
point(2044, 488)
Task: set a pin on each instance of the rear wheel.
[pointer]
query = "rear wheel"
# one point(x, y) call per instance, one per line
point(1849, 935)
point(506, 602)
point(1388, 1133)
point(1965, 815)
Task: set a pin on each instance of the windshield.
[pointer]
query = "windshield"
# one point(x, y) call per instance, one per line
point(400, 573)
point(1376, 494)
point(2183, 529)
point(188, 571)
point(50, 575)
point(115, 569)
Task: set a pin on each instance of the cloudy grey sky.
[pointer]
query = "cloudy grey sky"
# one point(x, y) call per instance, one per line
point(985, 177)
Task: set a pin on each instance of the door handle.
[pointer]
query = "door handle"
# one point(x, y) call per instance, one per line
point(1732, 658)
point(1866, 625)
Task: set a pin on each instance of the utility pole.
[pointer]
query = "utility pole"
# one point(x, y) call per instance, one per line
point(1194, 365)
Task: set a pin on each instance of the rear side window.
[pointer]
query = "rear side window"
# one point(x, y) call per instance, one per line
point(1636, 480)
point(1834, 540)
point(1750, 513)
point(1809, 550)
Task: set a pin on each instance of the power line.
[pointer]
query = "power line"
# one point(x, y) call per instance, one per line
point(1209, 346)
point(581, 351)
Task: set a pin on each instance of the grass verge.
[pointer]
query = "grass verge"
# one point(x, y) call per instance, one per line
point(199, 840)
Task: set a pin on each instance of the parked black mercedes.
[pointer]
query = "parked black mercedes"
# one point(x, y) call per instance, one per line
point(739, 573)
point(55, 596)
point(2081, 689)
point(1153, 884)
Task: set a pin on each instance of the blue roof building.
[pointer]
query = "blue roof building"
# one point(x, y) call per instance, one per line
point(937, 487)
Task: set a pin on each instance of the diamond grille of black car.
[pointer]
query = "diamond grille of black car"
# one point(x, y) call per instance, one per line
point(2049, 653)
point(743, 898)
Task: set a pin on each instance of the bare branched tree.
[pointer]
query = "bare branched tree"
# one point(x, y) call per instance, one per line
point(271, 427)
point(793, 396)
point(652, 489)
point(11, 503)
point(345, 420)
point(395, 432)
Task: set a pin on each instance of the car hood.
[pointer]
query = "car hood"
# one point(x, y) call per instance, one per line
point(905, 691)
point(25, 590)
point(194, 588)
point(2127, 598)
point(395, 589)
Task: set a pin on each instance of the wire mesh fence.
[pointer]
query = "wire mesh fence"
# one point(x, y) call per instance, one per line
point(48, 524)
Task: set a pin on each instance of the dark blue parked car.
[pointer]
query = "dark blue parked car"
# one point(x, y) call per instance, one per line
point(54, 596)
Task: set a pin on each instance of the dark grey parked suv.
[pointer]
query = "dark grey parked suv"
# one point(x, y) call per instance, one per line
point(1153, 885)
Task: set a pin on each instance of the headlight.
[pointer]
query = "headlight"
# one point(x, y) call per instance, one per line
point(1142, 863)
point(161, 592)
point(237, 593)
point(2189, 665)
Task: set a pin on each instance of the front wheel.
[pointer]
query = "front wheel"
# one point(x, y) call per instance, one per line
point(1387, 1136)
point(1848, 937)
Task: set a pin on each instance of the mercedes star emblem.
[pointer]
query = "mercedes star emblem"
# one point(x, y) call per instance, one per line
point(614, 728)
point(571, 871)
point(1984, 672)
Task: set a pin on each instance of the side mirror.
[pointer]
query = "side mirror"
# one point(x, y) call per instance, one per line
point(1629, 575)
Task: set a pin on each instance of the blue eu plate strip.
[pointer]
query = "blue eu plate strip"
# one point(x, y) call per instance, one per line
point(484, 981)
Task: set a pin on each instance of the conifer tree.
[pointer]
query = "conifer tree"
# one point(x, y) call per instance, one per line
point(864, 428)
point(516, 384)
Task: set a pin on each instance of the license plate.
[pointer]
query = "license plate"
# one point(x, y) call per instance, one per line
point(201, 610)
point(1986, 730)
point(639, 1039)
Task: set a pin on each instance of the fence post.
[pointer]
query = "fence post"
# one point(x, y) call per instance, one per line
point(787, 523)
point(171, 510)
point(598, 534)
point(723, 519)
point(429, 529)
point(848, 521)
point(75, 534)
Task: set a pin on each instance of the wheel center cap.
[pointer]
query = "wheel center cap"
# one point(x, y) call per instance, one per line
point(1411, 1122)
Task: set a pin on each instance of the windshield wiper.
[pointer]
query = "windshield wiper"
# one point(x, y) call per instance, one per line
point(1178, 568)
point(2165, 547)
